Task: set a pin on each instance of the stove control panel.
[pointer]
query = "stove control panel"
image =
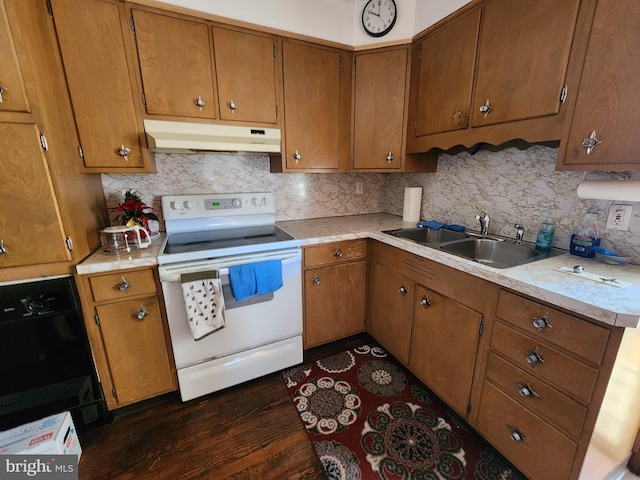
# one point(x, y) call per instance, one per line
point(217, 205)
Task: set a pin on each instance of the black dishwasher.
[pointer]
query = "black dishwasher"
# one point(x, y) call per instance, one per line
point(46, 365)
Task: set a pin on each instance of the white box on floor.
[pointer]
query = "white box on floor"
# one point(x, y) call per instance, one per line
point(50, 435)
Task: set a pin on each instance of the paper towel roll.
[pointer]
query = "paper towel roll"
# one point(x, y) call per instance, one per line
point(610, 190)
point(412, 204)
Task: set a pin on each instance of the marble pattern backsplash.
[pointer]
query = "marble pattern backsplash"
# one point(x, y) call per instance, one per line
point(298, 195)
point(512, 185)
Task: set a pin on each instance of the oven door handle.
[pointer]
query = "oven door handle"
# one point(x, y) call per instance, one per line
point(172, 273)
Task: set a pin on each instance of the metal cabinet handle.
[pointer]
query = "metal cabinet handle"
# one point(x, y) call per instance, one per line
point(232, 105)
point(425, 302)
point(389, 157)
point(297, 156)
point(517, 436)
point(2, 90)
point(142, 313)
point(316, 280)
point(124, 285)
point(403, 289)
point(540, 323)
point(200, 103)
point(486, 108)
point(3, 249)
point(338, 253)
point(525, 390)
point(591, 142)
point(124, 152)
point(533, 358)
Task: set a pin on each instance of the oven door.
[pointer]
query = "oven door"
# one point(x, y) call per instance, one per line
point(265, 327)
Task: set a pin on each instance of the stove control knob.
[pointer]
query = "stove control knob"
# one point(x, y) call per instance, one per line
point(264, 201)
point(236, 203)
point(188, 205)
point(254, 202)
point(174, 205)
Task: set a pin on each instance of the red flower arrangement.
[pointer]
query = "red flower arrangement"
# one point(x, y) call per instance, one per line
point(133, 211)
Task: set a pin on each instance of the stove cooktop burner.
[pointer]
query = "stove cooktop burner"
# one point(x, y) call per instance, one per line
point(229, 238)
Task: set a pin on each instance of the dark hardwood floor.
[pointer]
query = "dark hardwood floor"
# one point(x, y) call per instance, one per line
point(251, 431)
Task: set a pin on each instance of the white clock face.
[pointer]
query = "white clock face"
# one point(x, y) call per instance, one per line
point(379, 16)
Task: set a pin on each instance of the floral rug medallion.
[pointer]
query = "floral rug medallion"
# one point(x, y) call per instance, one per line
point(368, 418)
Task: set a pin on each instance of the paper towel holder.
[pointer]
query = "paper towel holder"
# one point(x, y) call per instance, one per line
point(609, 189)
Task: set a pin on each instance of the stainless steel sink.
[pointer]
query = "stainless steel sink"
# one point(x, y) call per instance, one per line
point(494, 253)
point(427, 236)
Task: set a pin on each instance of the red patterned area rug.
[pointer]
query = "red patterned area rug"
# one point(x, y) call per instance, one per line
point(369, 418)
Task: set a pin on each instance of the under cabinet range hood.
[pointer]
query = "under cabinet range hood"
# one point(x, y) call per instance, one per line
point(184, 137)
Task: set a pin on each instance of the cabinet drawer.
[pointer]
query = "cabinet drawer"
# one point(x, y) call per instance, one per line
point(545, 455)
point(335, 253)
point(559, 369)
point(112, 286)
point(569, 332)
point(558, 409)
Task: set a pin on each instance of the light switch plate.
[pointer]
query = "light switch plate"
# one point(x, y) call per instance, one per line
point(619, 217)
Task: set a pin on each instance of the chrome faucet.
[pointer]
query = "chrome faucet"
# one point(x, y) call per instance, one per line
point(484, 223)
point(519, 233)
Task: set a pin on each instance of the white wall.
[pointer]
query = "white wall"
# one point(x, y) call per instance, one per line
point(334, 20)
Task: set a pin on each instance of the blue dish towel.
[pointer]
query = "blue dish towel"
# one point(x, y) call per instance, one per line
point(255, 278)
point(432, 224)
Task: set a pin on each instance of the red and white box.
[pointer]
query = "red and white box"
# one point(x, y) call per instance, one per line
point(55, 435)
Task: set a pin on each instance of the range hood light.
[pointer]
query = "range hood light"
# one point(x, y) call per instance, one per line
point(184, 137)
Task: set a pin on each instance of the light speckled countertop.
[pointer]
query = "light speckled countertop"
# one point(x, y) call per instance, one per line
point(540, 280)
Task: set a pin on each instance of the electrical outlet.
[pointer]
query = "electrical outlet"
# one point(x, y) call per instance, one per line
point(359, 188)
point(619, 217)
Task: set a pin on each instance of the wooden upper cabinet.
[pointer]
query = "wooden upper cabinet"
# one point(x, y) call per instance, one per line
point(13, 95)
point(246, 75)
point(607, 104)
point(522, 59)
point(105, 104)
point(444, 76)
point(313, 106)
point(379, 108)
point(31, 228)
point(495, 72)
point(176, 64)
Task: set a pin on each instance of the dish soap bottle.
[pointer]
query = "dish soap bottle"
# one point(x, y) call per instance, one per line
point(545, 233)
point(586, 236)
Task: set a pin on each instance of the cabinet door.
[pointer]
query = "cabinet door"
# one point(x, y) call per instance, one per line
point(312, 106)
point(522, 59)
point(390, 310)
point(246, 74)
point(444, 345)
point(136, 349)
point(379, 109)
point(606, 106)
point(445, 65)
point(30, 225)
point(176, 66)
point(334, 302)
point(13, 96)
point(91, 41)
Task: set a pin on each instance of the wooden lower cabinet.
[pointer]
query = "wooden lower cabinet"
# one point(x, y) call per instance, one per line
point(431, 318)
point(444, 344)
point(551, 391)
point(129, 336)
point(390, 310)
point(334, 291)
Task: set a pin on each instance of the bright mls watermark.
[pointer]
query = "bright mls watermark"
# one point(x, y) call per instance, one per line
point(49, 467)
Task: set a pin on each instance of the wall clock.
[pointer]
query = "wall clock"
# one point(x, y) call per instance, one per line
point(379, 17)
